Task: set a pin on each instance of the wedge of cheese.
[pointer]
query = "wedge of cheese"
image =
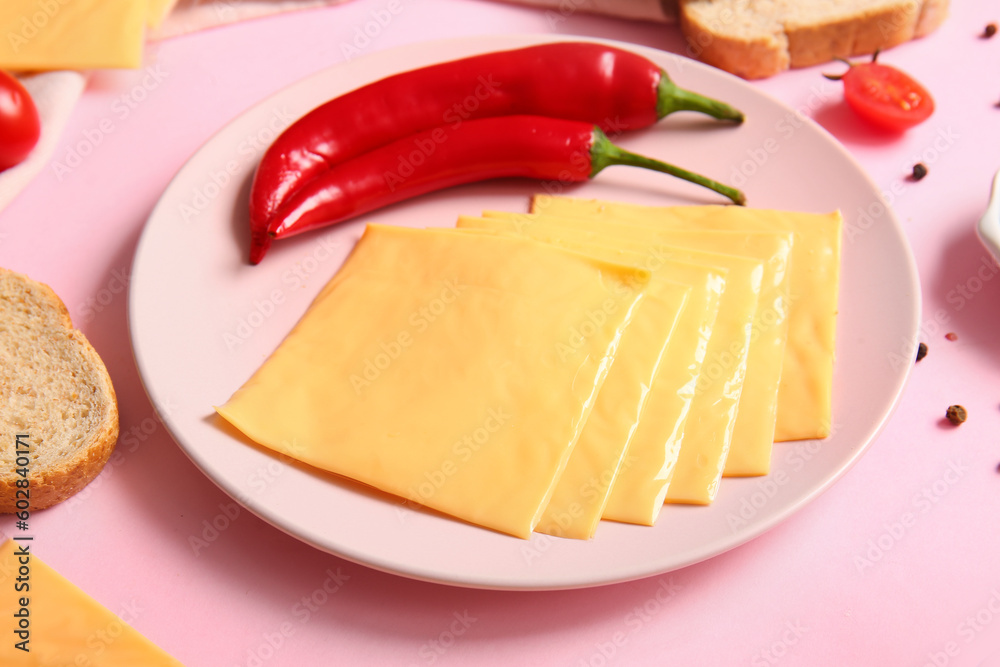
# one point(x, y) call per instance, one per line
point(708, 431)
point(77, 34)
point(56, 623)
point(451, 369)
point(753, 434)
point(805, 393)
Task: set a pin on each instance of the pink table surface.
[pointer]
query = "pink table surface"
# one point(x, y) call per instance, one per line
point(895, 565)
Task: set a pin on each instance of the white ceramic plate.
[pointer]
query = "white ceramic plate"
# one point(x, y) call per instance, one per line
point(989, 225)
point(202, 320)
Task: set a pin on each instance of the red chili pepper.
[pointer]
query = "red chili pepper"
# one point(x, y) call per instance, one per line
point(615, 89)
point(507, 146)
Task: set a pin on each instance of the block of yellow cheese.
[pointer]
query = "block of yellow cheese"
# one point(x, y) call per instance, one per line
point(707, 431)
point(451, 369)
point(805, 393)
point(61, 624)
point(72, 34)
point(753, 433)
point(581, 494)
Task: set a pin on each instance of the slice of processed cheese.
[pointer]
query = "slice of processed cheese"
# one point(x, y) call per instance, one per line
point(805, 393)
point(581, 495)
point(753, 434)
point(638, 491)
point(691, 456)
point(451, 369)
point(61, 624)
point(82, 34)
point(708, 432)
point(157, 11)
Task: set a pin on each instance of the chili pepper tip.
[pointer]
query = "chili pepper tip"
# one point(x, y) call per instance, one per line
point(258, 248)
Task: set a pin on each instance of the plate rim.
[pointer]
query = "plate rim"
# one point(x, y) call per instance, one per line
point(491, 581)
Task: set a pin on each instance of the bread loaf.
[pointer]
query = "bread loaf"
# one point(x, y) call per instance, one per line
point(55, 392)
point(759, 38)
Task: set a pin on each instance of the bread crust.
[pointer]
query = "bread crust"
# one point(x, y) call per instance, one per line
point(749, 58)
point(54, 482)
point(791, 44)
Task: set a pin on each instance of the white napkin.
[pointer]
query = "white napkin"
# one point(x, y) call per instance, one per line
point(55, 93)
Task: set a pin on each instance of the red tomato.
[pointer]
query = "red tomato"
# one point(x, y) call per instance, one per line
point(886, 96)
point(19, 124)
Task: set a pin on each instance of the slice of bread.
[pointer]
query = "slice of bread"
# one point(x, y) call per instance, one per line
point(54, 389)
point(758, 38)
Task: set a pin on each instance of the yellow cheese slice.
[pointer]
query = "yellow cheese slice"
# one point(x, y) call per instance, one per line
point(61, 624)
point(692, 474)
point(158, 10)
point(753, 434)
point(805, 392)
point(708, 433)
point(581, 494)
point(451, 369)
point(77, 34)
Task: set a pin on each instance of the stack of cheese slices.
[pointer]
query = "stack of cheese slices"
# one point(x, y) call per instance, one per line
point(542, 371)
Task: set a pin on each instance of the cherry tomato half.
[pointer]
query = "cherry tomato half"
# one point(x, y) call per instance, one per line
point(19, 124)
point(885, 96)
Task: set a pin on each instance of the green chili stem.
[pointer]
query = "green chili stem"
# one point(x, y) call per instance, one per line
point(671, 98)
point(603, 154)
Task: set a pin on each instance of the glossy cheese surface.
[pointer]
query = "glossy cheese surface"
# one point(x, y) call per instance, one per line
point(753, 433)
point(805, 393)
point(453, 370)
point(707, 432)
point(635, 422)
point(581, 495)
point(649, 467)
point(76, 34)
point(66, 626)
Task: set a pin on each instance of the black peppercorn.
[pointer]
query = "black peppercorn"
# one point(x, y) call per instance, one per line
point(956, 414)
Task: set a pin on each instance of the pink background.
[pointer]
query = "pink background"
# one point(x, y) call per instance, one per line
point(895, 565)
